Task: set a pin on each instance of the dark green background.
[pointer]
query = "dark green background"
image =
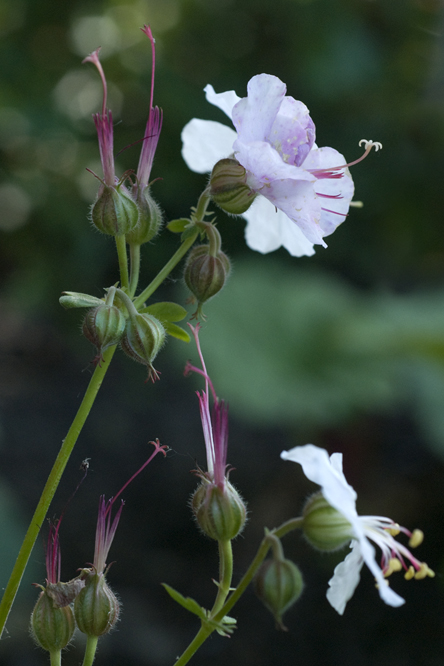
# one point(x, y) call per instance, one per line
point(344, 349)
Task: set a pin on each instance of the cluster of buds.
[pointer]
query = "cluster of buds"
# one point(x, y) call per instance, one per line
point(87, 601)
point(120, 210)
point(207, 268)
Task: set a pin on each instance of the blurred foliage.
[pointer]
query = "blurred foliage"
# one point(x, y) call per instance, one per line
point(345, 348)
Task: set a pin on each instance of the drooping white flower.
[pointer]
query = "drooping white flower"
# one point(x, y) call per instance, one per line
point(306, 190)
point(327, 472)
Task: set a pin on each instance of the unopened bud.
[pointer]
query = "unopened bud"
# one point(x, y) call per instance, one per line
point(114, 212)
point(219, 512)
point(278, 585)
point(324, 527)
point(96, 607)
point(205, 275)
point(150, 219)
point(52, 626)
point(144, 336)
point(228, 187)
point(104, 326)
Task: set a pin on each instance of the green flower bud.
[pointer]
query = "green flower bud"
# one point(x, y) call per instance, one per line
point(278, 585)
point(104, 326)
point(52, 627)
point(228, 187)
point(205, 275)
point(219, 512)
point(324, 527)
point(150, 219)
point(144, 336)
point(114, 212)
point(96, 608)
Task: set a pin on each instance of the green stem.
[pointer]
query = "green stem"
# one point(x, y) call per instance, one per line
point(55, 658)
point(123, 261)
point(135, 268)
point(205, 631)
point(166, 270)
point(225, 575)
point(202, 205)
point(51, 486)
point(90, 650)
point(289, 526)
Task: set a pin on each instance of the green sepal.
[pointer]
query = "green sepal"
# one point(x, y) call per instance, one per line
point(72, 299)
point(225, 627)
point(166, 311)
point(176, 331)
point(187, 603)
point(178, 226)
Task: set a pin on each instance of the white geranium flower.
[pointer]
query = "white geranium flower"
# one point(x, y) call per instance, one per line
point(326, 471)
point(306, 190)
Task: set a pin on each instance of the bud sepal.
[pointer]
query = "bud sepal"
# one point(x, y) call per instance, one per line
point(228, 187)
point(52, 626)
point(143, 338)
point(278, 583)
point(96, 608)
point(219, 511)
point(324, 527)
point(114, 212)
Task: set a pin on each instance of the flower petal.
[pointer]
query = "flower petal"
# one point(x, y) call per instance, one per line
point(345, 579)
point(268, 228)
point(224, 101)
point(254, 115)
point(385, 592)
point(317, 467)
point(293, 131)
point(205, 142)
point(324, 158)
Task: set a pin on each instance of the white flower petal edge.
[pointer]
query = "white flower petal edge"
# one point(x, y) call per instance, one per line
point(205, 142)
point(327, 472)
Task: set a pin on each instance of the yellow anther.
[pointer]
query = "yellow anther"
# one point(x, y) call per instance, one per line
point(416, 539)
point(394, 530)
point(393, 566)
point(356, 204)
point(423, 572)
point(410, 573)
point(371, 144)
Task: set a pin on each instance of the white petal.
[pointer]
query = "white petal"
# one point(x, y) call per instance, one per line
point(268, 229)
point(385, 592)
point(345, 579)
point(205, 142)
point(318, 468)
point(224, 101)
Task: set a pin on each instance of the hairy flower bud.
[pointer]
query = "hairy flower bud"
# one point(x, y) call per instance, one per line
point(278, 584)
point(96, 607)
point(205, 275)
point(52, 627)
point(114, 212)
point(324, 527)
point(144, 336)
point(219, 512)
point(104, 326)
point(150, 219)
point(228, 187)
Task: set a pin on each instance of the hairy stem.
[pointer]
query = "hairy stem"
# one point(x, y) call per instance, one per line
point(123, 261)
point(135, 268)
point(90, 650)
point(166, 270)
point(51, 487)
